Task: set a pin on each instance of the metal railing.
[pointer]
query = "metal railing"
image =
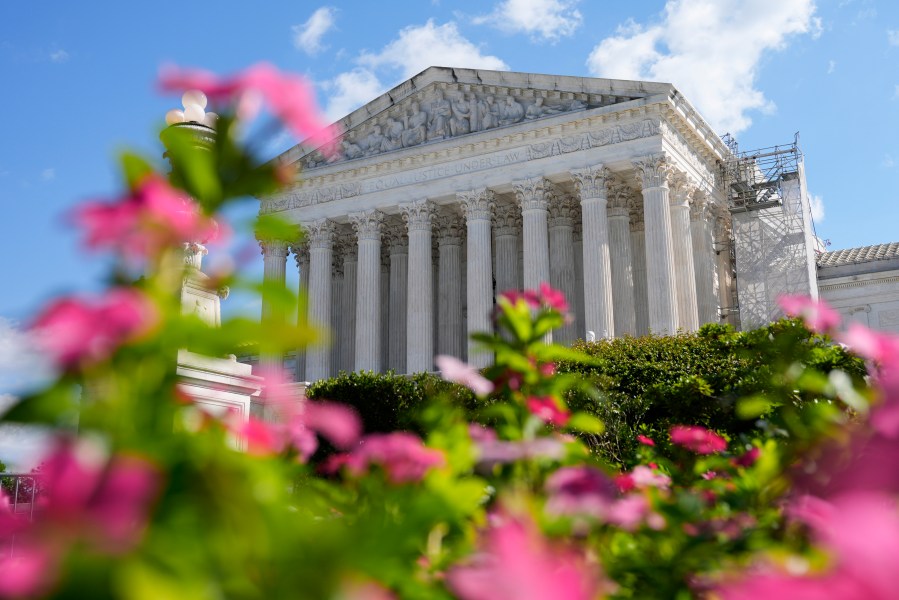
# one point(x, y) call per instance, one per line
point(21, 493)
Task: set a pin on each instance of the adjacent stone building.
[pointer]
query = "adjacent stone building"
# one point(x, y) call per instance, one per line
point(459, 184)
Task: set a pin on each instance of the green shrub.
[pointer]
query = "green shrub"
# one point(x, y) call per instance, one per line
point(653, 382)
point(388, 402)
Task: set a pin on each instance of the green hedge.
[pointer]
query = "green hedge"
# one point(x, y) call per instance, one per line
point(647, 384)
point(388, 402)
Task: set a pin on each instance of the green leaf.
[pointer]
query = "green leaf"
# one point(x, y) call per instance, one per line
point(753, 407)
point(135, 168)
point(585, 423)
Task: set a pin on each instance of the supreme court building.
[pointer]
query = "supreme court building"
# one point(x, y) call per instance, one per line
point(460, 184)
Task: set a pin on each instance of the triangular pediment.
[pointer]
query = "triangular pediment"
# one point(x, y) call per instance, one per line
point(442, 103)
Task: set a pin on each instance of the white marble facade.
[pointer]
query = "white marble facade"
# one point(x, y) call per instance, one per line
point(459, 184)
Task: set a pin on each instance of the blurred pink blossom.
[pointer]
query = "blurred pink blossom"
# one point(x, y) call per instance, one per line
point(457, 371)
point(553, 298)
point(518, 563)
point(75, 331)
point(628, 512)
point(818, 316)
point(402, 455)
point(30, 572)
point(697, 439)
point(748, 458)
point(289, 97)
point(491, 452)
point(582, 490)
point(153, 217)
point(646, 441)
point(548, 410)
point(645, 477)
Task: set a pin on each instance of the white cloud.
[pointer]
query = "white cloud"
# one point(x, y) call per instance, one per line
point(21, 362)
point(893, 37)
point(420, 46)
point(308, 36)
point(541, 19)
point(710, 50)
point(817, 205)
point(349, 90)
point(831, 66)
point(415, 48)
point(888, 162)
point(59, 56)
point(48, 174)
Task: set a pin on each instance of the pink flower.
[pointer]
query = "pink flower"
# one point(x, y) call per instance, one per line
point(547, 409)
point(491, 452)
point(697, 439)
point(153, 217)
point(818, 316)
point(882, 348)
point(31, 571)
point(628, 512)
point(75, 332)
point(553, 298)
point(402, 456)
point(646, 441)
point(644, 477)
point(262, 438)
point(748, 458)
point(453, 369)
point(289, 97)
point(517, 563)
point(579, 491)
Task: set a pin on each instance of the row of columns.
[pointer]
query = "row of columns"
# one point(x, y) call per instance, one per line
point(647, 266)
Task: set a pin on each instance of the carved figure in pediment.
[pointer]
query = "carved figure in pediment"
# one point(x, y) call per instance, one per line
point(416, 130)
point(512, 112)
point(393, 135)
point(576, 105)
point(539, 109)
point(460, 121)
point(351, 149)
point(441, 113)
point(372, 142)
point(488, 113)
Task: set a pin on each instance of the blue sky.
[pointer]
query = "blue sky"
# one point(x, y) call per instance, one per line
point(79, 85)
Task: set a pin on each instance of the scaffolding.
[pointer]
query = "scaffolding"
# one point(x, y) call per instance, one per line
point(773, 235)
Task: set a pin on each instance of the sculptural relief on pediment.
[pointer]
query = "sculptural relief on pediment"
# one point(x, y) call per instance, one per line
point(448, 111)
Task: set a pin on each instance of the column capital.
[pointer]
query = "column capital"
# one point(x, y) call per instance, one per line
point(418, 215)
point(531, 194)
point(449, 230)
point(320, 234)
point(591, 182)
point(367, 224)
point(563, 211)
point(346, 246)
point(395, 239)
point(701, 206)
point(652, 171)
point(270, 247)
point(682, 188)
point(507, 220)
point(476, 204)
point(300, 250)
point(619, 198)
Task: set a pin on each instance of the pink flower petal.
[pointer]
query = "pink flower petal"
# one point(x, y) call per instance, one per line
point(818, 316)
point(454, 370)
point(547, 409)
point(697, 439)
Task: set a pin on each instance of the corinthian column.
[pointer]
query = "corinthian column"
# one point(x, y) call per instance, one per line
point(531, 197)
point(703, 258)
point(652, 175)
point(346, 331)
point(301, 256)
point(685, 274)
point(577, 235)
point(368, 290)
point(563, 211)
point(477, 206)
point(420, 302)
point(321, 238)
point(620, 259)
point(506, 226)
point(399, 292)
point(638, 259)
point(598, 312)
point(274, 253)
point(449, 305)
point(723, 248)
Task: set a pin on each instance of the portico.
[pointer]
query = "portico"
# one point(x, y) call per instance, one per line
point(606, 189)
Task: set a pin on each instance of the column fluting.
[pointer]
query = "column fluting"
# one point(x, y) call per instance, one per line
point(450, 334)
point(368, 290)
point(563, 211)
point(620, 259)
point(418, 216)
point(346, 334)
point(477, 206)
point(531, 197)
point(652, 175)
point(300, 251)
point(321, 238)
point(638, 260)
point(506, 229)
point(399, 292)
point(598, 303)
point(274, 253)
point(703, 258)
point(684, 271)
